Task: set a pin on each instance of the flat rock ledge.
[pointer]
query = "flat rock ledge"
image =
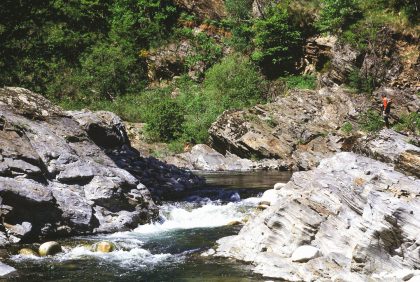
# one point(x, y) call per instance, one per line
point(358, 219)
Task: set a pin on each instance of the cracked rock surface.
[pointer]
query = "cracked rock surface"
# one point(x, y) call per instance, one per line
point(361, 214)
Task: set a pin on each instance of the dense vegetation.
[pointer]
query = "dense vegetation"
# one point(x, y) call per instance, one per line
point(92, 53)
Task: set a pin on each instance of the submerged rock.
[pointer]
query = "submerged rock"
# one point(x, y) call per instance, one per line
point(360, 213)
point(104, 247)
point(49, 249)
point(28, 252)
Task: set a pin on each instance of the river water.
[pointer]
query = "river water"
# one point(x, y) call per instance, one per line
point(168, 250)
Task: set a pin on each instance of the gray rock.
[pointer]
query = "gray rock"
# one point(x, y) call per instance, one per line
point(299, 129)
point(61, 176)
point(104, 128)
point(305, 253)
point(391, 147)
point(362, 223)
point(6, 269)
point(202, 157)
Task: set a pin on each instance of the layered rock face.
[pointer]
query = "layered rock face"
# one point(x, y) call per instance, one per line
point(202, 157)
point(350, 219)
point(295, 129)
point(61, 173)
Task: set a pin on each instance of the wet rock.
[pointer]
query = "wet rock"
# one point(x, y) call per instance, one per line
point(28, 252)
point(362, 223)
point(18, 231)
point(104, 247)
point(209, 252)
point(305, 253)
point(278, 186)
point(6, 269)
point(49, 249)
point(234, 223)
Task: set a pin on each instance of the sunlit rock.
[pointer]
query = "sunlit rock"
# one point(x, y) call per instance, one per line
point(49, 249)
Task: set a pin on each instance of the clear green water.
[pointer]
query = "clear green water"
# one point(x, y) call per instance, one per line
point(169, 250)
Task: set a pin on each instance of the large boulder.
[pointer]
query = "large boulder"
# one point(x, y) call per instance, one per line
point(300, 129)
point(360, 214)
point(65, 173)
point(391, 147)
point(104, 128)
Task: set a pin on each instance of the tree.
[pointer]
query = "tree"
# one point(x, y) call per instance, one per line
point(277, 41)
point(337, 15)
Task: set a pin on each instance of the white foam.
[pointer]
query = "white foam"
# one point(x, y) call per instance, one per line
point(212, 214)
point(133, 257)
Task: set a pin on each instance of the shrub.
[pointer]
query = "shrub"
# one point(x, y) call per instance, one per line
point(300, 81)
point(347, 127)
point(239, 9)
point(164, 119)
point(277, 41)
point(409, 122)
point(361, 82)
point(337, 15)
point(234, 82)
point(371, 121)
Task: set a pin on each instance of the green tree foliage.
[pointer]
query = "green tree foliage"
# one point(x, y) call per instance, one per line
point(234, 82)
point(277, 40)
point(337, 15)
point(79, 47)
point(239, 9)
point(371, 121)
point(164, 119)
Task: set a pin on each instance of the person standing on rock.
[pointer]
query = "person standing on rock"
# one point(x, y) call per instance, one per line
point(386, 109)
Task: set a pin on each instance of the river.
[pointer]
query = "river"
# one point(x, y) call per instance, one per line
point(170, 249)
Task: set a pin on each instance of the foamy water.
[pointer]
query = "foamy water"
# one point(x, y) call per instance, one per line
point(130, 252)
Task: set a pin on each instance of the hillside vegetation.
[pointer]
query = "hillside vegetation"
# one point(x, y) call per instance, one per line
point(97, 54)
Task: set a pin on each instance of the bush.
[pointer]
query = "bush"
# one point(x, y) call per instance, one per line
point(409, 122)
point(371, 121)
point(300, 81)
point(337, 15)
point(107, 71)
point(347, 127)
point(164, 120)
point(234, 82)
point(360, 82)
point(239, 9)
point(277, 40)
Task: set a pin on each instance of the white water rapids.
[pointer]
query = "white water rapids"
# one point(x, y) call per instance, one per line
point(174, 217)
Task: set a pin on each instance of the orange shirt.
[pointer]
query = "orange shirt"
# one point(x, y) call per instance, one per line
point(385, 101)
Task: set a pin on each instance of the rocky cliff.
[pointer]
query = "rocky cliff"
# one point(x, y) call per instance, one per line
point(65, 173)
point(350, 219)
point(300, 129)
